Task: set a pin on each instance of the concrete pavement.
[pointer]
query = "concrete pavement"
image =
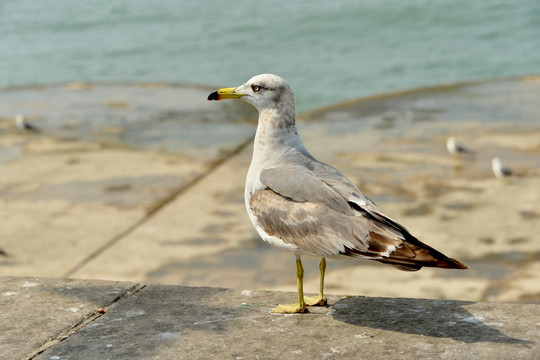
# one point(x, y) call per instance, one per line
point(55, 319)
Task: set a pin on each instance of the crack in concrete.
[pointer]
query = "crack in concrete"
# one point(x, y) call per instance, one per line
point(150, 214)
point(73, 329)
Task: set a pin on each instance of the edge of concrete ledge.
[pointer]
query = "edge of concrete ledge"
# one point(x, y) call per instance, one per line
point(63, 318)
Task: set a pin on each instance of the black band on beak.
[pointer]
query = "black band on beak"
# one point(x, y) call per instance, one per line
point(213, 96)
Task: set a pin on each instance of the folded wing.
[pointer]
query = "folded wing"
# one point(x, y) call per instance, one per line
point(321, 212)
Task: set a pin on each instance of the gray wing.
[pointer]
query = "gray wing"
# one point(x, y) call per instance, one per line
point(322, 213)
point(344, 187)
point(302, 209)
point(299, 184)
point(355, 198)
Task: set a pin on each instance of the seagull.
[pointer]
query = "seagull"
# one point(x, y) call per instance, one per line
point(24, 126)
point(499, 170)
point(303, 205)
point(456, 149)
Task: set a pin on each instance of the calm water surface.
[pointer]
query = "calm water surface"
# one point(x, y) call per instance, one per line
point(329, 52)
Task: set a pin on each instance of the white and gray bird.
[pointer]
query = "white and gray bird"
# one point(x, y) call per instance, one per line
point(23, 126)
point(310, 208)
point(499, 170)
point(455, 148)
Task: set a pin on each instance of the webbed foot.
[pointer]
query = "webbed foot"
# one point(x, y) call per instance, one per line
point(289, 309)
point(315, 300)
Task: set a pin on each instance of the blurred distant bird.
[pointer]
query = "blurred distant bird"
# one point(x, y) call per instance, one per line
point(454, 148)
point(2, 252)
point(24, 126)
point(499, 170)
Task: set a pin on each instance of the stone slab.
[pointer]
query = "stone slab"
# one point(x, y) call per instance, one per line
point(39, 312)
point(209, 219)
point(65, 200)
point(177, 322)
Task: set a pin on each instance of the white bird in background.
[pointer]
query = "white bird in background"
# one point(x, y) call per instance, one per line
point(499, 170)
point(310, 208)
point(456, 149)
point(24, 126)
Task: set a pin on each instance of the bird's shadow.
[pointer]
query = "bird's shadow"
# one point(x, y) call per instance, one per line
point(435, 318)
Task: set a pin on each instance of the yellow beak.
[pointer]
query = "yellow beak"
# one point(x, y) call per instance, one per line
point(225, 93)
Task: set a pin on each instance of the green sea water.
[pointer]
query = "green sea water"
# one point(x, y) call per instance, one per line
point(329, 51)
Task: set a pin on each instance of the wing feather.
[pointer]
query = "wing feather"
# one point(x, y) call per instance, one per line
point(318, 210)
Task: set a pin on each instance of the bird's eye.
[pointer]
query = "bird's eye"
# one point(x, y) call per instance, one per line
point(255, 88)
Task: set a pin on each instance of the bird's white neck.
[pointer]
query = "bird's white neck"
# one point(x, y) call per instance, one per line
point(276, 131)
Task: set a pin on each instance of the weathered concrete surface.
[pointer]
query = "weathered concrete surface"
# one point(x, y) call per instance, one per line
point(177, 322)
point(65, 201)
point(37, 313)
point(208, 220)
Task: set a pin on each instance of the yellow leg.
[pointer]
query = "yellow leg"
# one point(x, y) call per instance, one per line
point(301, 306)
point(319, 300)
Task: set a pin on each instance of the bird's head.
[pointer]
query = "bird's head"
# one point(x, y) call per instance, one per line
point(266, 91)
